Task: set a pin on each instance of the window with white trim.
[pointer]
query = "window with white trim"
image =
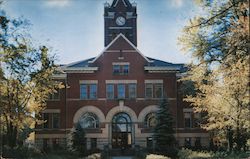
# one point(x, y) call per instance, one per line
point(188, 119)
point(55, 120)
point(88, 91)
point(132, 90)
point(121, 91)
point(153, 90)
point(110, 91)
point(55, 95)
point(120, 69)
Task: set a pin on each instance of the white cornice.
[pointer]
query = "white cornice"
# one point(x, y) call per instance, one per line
point(80, 69)
point(158, 68)
point(59, 76)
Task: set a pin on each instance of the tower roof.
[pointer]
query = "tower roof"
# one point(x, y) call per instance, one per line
point(125, 3)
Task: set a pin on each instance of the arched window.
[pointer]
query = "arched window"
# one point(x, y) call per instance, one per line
point(121, 122)
point(150, 120)
point(89, 120)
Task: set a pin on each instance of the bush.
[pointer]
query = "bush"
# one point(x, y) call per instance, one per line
point(20, 152)
point(154, 156)
point(189, 154)
point(94, 156)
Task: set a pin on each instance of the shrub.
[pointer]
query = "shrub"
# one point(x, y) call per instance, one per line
point(94, 156)
point(20, 152)
point(189, 154)
point(154, 156)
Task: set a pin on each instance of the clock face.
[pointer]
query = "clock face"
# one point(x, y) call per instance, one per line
point(120, 21)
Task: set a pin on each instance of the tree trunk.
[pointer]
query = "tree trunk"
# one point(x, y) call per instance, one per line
point(11, 134)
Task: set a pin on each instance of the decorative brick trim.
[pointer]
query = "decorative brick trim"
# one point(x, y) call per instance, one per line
point(154, 81)
point(120, 81)
point(86, 109)
point(145, 111)
point(51, 111)
point(188, 110)
point(88, 82)
point(119, 109)
point(120, 63)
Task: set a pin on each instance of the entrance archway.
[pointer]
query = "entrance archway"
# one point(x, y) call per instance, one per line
point(121, 131)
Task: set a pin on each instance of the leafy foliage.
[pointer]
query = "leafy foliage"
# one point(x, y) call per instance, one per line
point(218, 41)
point(26, 77)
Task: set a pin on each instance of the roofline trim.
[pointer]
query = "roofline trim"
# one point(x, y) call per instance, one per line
point(130, 43)
point(81, 69)
point(73, 63)
point(162, 68)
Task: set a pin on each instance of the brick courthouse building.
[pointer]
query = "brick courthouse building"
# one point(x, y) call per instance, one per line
point(115, 94)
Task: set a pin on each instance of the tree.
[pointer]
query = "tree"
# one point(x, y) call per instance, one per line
point(163, 131)
point(218, 41)
point(78, 139)
point(26, 79)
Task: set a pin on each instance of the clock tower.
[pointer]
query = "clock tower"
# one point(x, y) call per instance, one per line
point(120, 17)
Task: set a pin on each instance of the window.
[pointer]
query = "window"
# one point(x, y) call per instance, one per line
point(116, 69)
point(197, 118)
point(149, 90)
point(55, 120)
point(197, 143)
point(187, 120)
point(46, 119)
point(83, 91)
point(45, 144)
point(89, 120)
point(121, 91)
point(93, 142)
point(153, 90)
point(120, 69)
point(110, 91)
point(149, 142)
point(55, 143)
point(93, 91)
point(158, 91)
point(132, 91)
point(125, 69)
point(88, 91)
point(187, 142)
point(150, 120)
point(55, 95)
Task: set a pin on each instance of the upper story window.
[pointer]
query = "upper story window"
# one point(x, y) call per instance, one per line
point(46, 120)
point(149, 90)
point(93, 91)
point(83, 91)
point(55, 95)
point(132, 90)
point(187, 119)
point(116, 69)
point(52, 120)
point(110, 91)
point(197, 120)
point(121, 91)
point(55, 120)
point(88, 91)
point(154, 90)
point(121, 68)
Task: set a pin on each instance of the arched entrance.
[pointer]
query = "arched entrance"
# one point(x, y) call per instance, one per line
point(121, 131)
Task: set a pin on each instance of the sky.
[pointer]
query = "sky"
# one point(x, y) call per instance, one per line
point(74, 29)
